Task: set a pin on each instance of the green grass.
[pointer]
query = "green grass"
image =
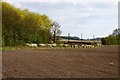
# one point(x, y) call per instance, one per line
point(12, 48)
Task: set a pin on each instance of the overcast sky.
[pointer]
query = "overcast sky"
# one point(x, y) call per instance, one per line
point(89, 17)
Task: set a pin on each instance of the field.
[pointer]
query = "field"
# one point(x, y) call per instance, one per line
point(61, 63)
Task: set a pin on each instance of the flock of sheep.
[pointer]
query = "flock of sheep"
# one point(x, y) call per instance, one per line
point(62, 45)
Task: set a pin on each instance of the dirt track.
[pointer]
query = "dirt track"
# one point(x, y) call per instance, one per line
point(61, 63)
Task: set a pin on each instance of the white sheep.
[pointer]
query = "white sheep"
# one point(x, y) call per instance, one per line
point(49, 45)
point(66, 45)
point(31, 45)
point(89, 46)
point(42, 45)
point(61, 45)
point(76, 46)
point(54, 45)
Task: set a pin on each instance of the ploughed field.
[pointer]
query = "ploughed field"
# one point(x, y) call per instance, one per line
point(61, 63)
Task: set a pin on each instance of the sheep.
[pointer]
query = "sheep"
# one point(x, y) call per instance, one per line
point(27, 44)
point(83, 46)
point(88, 46)
point(42, 45)
point(61, 45)
point(65, 45)
point(54, 45)
point(31, 45)
point(76, 46)
point(49, 45)
point(98, 45)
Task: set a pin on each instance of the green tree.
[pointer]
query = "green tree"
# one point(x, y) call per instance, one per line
point(23, 26)
point(11, 23)
point(113, 39)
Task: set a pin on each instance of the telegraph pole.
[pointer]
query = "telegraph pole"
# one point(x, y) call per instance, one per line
point(93, 38)
point(68, 37)
point(81, 37)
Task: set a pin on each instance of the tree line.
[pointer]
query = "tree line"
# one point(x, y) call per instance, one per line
point(22, 26)
point(113, 39)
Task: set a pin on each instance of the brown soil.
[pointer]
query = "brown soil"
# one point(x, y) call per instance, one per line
point(61, 63)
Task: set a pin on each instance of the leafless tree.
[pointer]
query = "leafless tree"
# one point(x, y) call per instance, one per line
point(56, 31)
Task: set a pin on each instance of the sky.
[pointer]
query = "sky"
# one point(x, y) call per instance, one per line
point(89, 17)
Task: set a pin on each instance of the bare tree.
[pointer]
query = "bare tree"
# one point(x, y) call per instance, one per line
point(56, 31)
